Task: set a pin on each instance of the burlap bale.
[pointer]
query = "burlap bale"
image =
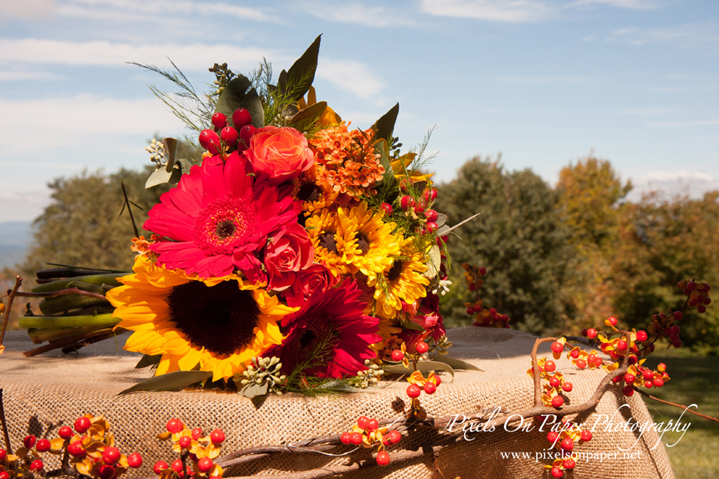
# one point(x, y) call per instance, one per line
point(44, 392)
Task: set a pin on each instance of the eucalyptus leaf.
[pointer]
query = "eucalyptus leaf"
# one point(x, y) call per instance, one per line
point(423, 366)
point(298, 79)
point(239, 94)
point(454, 362)
point(253, 390)
point(147, 360)
point(170, 381)
point(441, 219)
point(385, 125)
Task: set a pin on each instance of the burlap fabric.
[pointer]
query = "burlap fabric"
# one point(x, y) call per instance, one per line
point(44, 392)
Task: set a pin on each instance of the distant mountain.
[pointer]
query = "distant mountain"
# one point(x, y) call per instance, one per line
point(15, 238)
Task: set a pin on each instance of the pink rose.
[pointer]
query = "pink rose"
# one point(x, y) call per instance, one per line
point(280, 153)
point(288, 253)
point(316, 279)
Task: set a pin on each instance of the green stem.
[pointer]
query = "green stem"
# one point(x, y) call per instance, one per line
point(45, 322)
point(53, 334)
point(97, 279)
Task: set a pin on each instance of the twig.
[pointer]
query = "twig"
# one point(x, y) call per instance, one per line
point(6, 317)
point(680, 406)
point(129, 210)
point(4, 425)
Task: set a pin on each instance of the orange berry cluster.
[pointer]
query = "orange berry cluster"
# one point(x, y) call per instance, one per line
point(368, 433)
point(194, 446)
point(566, 439)
point(556, 384)
point(482, 316)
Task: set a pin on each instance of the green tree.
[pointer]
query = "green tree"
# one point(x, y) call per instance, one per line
point(519, 237)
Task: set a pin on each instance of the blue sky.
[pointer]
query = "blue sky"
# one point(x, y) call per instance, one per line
point(543, 82)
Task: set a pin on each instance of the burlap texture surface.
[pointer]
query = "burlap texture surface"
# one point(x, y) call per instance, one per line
point(44, 392)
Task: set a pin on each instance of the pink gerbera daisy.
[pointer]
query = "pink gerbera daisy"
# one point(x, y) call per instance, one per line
point(220, 217)
point(334, 319)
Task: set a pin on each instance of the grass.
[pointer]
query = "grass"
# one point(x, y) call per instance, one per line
point(694, 380)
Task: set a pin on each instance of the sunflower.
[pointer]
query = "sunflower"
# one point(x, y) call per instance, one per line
point(215, 324)
point(313, 196)
point(403, 280)
point(322, 228)
point(365, 242)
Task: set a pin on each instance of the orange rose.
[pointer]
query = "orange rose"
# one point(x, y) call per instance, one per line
point(280, 153)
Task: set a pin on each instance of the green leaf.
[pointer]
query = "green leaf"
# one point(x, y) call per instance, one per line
point(298, 80)
point(170, 145)
point(170, 381)
point(454, 362)
point(147, 360)
point(412, 326)
point(303, 120)
point(161, 176)
point(423, 366)
point(434, 263)
point(240, 94)
point(385, 125)
point(252, 390)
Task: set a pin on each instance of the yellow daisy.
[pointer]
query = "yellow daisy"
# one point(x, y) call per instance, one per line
point(215, 324)
point(403, 280)
point(365, 242)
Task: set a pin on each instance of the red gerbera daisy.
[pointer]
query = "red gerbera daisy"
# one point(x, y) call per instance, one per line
point(220, 217)
point(334, 319)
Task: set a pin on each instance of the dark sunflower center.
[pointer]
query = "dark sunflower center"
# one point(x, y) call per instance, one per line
point(316, 340)
point(220, 318)
point(225, 229)
point(395, 271)
point(362, 243)
point(309, 192)
point(307, 338)
point(327, 241)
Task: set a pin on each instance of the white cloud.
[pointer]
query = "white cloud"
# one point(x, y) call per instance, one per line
point(683, 124)
point(494, 10)
point(677, 175)
point(545, 79)
point(188, 57)
point(157, 9)
point(676, 182)
point(27, 9)
point(357, 13)
point(350, 75)
point(15, 75)
point(628, 4)
point(656, 111)
point(688, 35)
point(23, 205)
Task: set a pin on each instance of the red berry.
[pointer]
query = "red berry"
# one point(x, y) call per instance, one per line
point(176, 465)
point(678, 315)
point(437, 381)
point(581, 363)
point(628, 390)
point(569, 463)
point(629, 378)
point(36, 465)
point(346, 438)
point(406, 202)
point(591, 333)
point(642, 336)
point(111, 455)
point(574, 353)
point(549, 366)
point(648, 374)
point(554, 382)
point(356, 438)
point(382, 458)
point(229, 135)
point(82, 424)
point(431, 215)
point(4, 475)
point(106, 472)
point(134, 460)
point(174, 426)
point(219, 120)
point(387, 208)
point(247, 132)
point(419, 207)
point(567, 444)
point(567, 386)
point(205, 464)
point(29, 441)
point(430, 194)
point(42, 445)
point(661, 367)
point(648, 384)
point(159, 467)
point(362, 422)
point(394, 436)
point(429, 387)
point(217, 436)
point(557, 472)
point(611, 321)
point(76, 449)
point(196, 433)
point(413, 391)
point(185, 442)
point(622, 345)
point(373, 425)
point(552, 436)
point(658, 382)
point(557, 347)
point(557, 401)
point(241, 117)
point(432, 227)
point(3, 454)
point(586, 436)
point(65, 432)
point(482, 271)
point(422, 347)
point(397, 355)
point(210, 141)
point(701, 308)
point(691, 285)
